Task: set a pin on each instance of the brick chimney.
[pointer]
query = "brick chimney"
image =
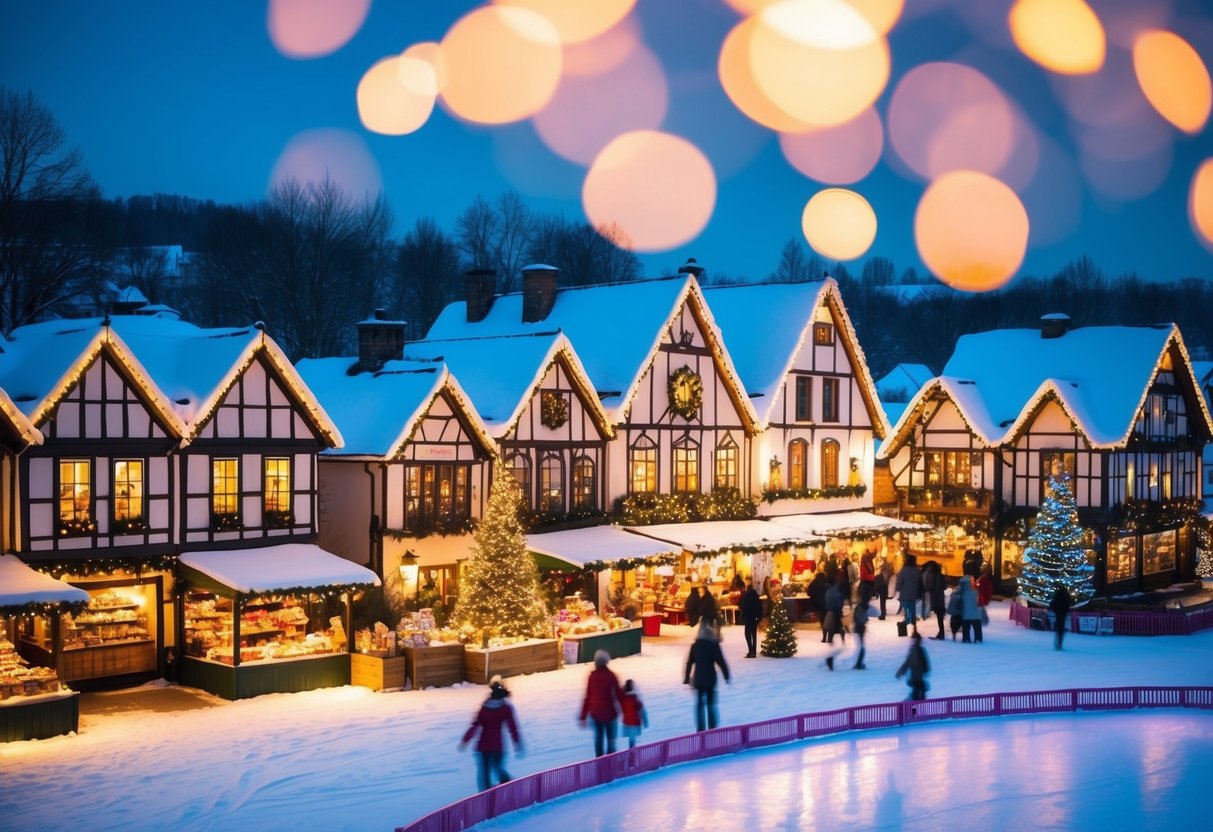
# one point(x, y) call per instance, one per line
point(538, 292)
point(692, 268)
point(479, 289)
point(379, 341)
point(1054, 325)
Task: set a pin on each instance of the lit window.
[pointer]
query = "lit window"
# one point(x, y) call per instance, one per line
point(798, 464)
point(642, 467)
point(686, 466)
point(128, 491)
point(584, 487)
point(551, 484)
point(520, 468)
point(823, 334)
point(75, 497)
point(726, 464)
point(829, 400)
point(277, 486)
point(225, 492)
point(829, 463)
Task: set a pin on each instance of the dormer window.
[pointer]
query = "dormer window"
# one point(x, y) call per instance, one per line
point(823, 334)
point(128, 495)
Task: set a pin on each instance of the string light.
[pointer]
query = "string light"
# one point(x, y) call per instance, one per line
point(780, 640)
point(1055, 555)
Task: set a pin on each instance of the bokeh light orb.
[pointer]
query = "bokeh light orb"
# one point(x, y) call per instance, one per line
point(577, 20)
point(1063, 36)
point(736, 72)
point(837, 155)
point(501, 64)
point(659, 190)
point(603, 53)
point(1200, 203)
point(314, 28)
point(329, 153)
point(431, 53)
point(971, 231)
point(396, 95)
point(838, 224)
point(882, 14)
point(1174, 79)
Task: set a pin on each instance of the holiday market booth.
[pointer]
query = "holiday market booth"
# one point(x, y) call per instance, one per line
point(33, 702)
point(266, 620)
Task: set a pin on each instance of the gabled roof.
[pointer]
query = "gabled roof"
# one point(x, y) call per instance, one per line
point(379, 412)
point(765, 326)
point(903, 377)
point(501, 374)
point(616, 329)
point(20, 425)
point(1099, 376)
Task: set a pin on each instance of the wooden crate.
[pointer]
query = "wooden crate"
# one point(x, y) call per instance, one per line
point(438, 665)
point(533, 656)
point(375, 672)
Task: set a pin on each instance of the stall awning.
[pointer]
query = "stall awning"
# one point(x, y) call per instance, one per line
point(846, 524)
point(21, 585)
point(278, 568)
point(608, 544)
point(722, 535)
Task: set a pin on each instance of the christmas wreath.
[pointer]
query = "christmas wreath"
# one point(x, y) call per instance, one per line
point(686, 392)
point(553, 409)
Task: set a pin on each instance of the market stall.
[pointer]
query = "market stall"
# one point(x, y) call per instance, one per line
point(34, 704)
point(266, 620)
point(582, 632)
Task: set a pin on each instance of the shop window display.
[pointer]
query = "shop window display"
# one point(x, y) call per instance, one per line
point(271, 627)
point(18, 676)
point(113, 617)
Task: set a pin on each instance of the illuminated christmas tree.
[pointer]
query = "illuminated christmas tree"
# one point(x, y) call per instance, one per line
point(499, 593)
point(1055, 554)
point(1204, 548)
point(780, 641)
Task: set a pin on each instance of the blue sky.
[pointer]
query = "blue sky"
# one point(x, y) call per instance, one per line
point(192, 98)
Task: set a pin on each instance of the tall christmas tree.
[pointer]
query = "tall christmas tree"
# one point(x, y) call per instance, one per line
point(499, 594)
point(780, 641)
point(1055, 554)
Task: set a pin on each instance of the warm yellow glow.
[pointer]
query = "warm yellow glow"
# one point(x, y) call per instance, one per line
point(588, 111)
point(396, 95)
point(819, 61)
point(736, 72)
point(502, 64)
point(313, 28)
point(1200, 202)
point(1174, 79)
point(971, 230)
point(658, 189)
point(1064, 36)
point(577, 21)
point(839, 224)
point(431, 53)
point(837, 155)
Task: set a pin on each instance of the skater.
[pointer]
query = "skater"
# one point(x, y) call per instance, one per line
point(692, 607)
point(601, 703)
point(859, 622)
point(909, 585)
point(883, 582)
point(704, 656)
point(635, 716)
point(1060, 605)
point(494, 715)
point(927, 572)
point(985, 592)
point(971, 613)
point(834, 599)
point(852, 565)
point(751, 614)
point(708, 610)
point(956, 611)
point(867, 572)
point(917, 666)
point(939, 585)
point(817, 599)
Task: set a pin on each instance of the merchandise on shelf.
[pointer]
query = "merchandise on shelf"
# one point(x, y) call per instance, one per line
point(379, 641)
point(17, 678)
point(419, 629)
point(580, 618)
point(271, 627)
point(110, 618)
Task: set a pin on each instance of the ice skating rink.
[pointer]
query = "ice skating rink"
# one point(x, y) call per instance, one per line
point(1141, 770)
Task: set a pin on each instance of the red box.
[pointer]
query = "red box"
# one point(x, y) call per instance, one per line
point(652, 624)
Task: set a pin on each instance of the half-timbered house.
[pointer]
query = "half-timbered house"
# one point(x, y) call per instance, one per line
point(1118, 408)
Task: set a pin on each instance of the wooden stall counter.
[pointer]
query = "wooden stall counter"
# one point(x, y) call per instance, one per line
point(531, 656)
point(377, 673)
point(438, 665)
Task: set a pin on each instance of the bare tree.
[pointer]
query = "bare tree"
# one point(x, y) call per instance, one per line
point(793, 264)
point(49, 212)
point(584, 255)
point(878, 271)
point(477, 231)
point(514, 228)
point(146, 267)
point(427, 271)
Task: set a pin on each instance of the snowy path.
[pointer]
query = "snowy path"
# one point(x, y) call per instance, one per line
point(347, 758)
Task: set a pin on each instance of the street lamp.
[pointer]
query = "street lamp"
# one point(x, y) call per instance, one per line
point(408, 573)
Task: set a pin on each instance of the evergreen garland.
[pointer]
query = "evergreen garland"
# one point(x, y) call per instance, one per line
point(499, 594)
point(1055, 554)
point(780, 640)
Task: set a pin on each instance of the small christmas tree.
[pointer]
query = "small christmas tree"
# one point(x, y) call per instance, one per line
point(499, 594)
point(1204, 548)
point(780, 641)
point(1055, 555)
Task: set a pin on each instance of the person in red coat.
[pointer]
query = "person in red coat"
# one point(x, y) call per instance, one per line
point(494, 715)
point(601, 703)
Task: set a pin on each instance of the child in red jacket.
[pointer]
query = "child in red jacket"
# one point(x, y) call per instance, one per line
point(634, 714)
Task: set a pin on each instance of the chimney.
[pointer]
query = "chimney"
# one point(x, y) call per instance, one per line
point(1054, 325)
point(479, 289)
point(379, 341)
point(692, 268)
point(538, 292)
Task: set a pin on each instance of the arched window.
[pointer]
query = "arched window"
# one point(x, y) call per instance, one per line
point(520, 468)
point(551, 484)
point(585, 489)
point(642, 466)
point(726, 464)
point(686, 465)
point(829, 463)
point(798, 464)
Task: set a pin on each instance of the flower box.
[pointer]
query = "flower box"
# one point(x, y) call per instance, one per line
point(532, 656)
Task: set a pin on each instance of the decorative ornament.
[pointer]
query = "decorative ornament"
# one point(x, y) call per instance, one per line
point(686, 392)
point(553, 409)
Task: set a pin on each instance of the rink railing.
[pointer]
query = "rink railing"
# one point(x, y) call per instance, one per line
point(557, 782)
point(1120, 622)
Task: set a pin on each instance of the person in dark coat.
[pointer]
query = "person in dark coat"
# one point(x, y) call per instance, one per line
point(692, 607)
point(1060, 604)
point(833, 622)
point(917, 666)
point(708, 611)
point(956, 609)
point(859, 622)
point(884, 583)
point(817, 599)
point(751, 615)
point(971, 613)
point(494, 715)
point(938, 593)
point(927, 572)
point(601, 703)
point(909, 585)
point(705, 655)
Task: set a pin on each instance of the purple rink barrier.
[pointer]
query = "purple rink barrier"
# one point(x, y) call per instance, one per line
point(558, 782)
point(1121, 622)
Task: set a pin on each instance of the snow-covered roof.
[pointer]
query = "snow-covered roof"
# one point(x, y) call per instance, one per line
point(846, 523)
point(275, 568)
point(616, 329)
point(598, 543)
point(766, 325)
point(21, 585)
point(378, 412)
point(18, 421)
point(501, 374)
point(717, 535)
point(904, 378)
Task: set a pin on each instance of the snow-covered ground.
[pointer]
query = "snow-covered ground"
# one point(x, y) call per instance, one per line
point(348, 758)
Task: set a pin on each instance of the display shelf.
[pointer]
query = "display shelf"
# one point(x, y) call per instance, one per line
point(116, 642)
point(261, 633)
